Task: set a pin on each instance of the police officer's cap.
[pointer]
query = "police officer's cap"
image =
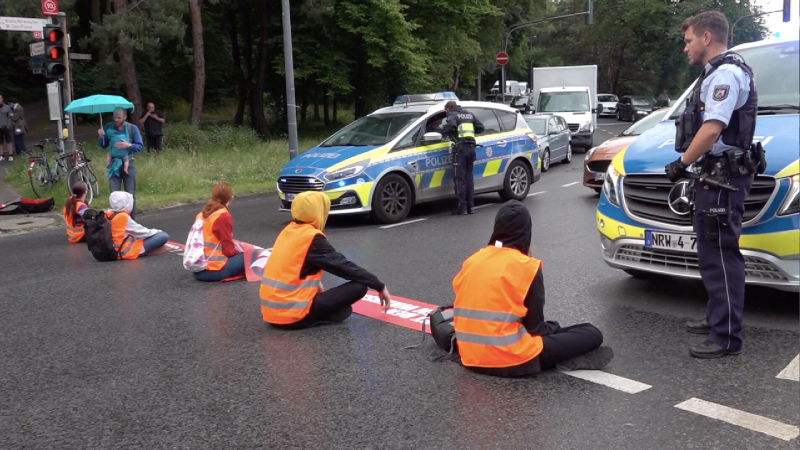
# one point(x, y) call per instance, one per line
point(451, 105)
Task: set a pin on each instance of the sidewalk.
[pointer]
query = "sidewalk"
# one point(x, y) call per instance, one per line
point(22, 223)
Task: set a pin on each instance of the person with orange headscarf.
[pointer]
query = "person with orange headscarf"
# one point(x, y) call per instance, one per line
point(225, 257)
point(291, 287)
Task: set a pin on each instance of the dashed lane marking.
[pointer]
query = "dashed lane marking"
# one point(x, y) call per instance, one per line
point(610, 380)
point(536, 193)
point(743, 419)
point(571, 184)
point(792, 371)
point(401, 224)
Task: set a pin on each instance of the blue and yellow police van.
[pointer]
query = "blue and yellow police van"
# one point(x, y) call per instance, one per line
point(645, 220)
point(386, 162)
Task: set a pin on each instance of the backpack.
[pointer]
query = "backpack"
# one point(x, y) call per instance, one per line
point(26, 206)
point(194, 257)
point(98, 235)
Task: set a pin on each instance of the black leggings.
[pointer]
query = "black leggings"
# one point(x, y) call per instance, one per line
point(562, 344)
point(327, 303)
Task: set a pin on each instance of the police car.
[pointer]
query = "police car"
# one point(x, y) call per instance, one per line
point(396, 157)
point(645, 221)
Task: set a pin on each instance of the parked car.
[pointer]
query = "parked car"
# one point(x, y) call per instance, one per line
point(523, 103)
point(635, 107)
point(552, 137)
point(597, 159)
point(495, 98)
point(607, 105)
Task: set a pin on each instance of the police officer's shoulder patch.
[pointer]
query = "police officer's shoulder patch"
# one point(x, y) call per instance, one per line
point(721, 91)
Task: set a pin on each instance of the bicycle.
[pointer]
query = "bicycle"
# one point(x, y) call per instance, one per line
point(82, 171)
point(43, 178)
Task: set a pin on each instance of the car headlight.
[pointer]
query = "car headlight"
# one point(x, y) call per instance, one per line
point(791, 205)
point(610, 185)
point(589, 153)
point(347, 172)
point(641, 113)
point(586, 126)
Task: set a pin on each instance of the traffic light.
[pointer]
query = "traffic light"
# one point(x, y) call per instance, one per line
point(787, 15)
point(589, 12)
point(54, 52)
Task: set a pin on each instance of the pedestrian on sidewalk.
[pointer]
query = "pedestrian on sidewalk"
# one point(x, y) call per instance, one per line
point(132, 239)
point(73, 213)
point(120, 135)
point(499, 309)
point(291, 290)
point(225, 257)
point(19, 125)
point(153, 120)
point(5, 132)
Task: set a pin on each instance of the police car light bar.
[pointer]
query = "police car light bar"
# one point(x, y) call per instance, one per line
point(419, 98)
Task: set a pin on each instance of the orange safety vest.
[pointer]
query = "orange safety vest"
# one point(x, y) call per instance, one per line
point(128, 248)
point(74, 232)
point(285, 298)
point(490, 293)
point(211, 245)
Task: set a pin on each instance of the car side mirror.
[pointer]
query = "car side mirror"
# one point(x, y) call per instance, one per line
point(552, 132)
point(432, 137)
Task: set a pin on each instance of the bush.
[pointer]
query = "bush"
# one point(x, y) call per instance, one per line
point(184, 137)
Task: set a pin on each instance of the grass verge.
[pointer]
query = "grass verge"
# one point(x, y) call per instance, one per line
point(188, 168)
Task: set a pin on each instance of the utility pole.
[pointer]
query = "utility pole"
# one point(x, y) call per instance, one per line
point(67, 86)
point(288, 62)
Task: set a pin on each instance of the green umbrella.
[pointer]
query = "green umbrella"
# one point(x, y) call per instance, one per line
point(98, 104)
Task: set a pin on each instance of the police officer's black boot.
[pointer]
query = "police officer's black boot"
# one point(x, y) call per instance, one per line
point(710, 350)
point(698, 326)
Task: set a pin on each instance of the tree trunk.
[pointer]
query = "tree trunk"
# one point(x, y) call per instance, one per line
point(303, 106)
point(456, 79)
point(316, 102)
point(258, 90)
point(241, 89)
point(335, 109)
point(199, 63)
point(618, 69)
point(128, 66)
point(325, 107)
point(248, 58)
point(97, 15)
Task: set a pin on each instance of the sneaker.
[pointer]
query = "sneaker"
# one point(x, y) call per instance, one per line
point(10, 159)
point(1, 158)
point(594, 360)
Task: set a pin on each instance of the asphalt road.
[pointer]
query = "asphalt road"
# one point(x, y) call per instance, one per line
point(139, 355)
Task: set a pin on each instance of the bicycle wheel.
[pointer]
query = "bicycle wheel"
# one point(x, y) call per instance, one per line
point(39, 176)
point(92, 180)
point(82, 174)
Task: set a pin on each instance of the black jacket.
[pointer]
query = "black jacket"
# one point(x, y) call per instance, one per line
point(455, 118)
point(322, 256)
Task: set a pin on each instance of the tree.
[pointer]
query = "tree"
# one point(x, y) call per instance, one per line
point(198, 54)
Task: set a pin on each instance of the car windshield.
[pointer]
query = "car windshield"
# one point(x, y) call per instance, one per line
point(520, 101)
point(642, 101)
point(645, 124)
point(607, 98)
point(376, 129)
point(775, 69)
point(538, 126)
point(563, 101)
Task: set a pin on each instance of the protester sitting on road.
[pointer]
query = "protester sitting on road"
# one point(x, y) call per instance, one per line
point(291, 289)
point(121, 138)
point(73, 213)
point(132, 239)
point(499, 309)
point(225, 257)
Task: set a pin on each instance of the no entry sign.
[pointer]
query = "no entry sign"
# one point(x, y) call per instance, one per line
point(49, 7)
point(502, 58)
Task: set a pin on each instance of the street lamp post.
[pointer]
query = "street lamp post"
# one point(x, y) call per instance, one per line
point(291, 112)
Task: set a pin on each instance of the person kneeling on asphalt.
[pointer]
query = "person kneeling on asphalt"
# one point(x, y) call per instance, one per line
point(225, 257)
point(291, 289)
point(132, 239)
point(499, 309)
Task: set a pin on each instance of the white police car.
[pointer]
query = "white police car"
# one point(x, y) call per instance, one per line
point(394, 158)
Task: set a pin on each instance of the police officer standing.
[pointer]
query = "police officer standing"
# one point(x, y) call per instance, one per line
point(715, 133)
point(461, 126)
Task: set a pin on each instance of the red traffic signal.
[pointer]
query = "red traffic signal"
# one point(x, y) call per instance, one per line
point(54, 51)
point(53, 35)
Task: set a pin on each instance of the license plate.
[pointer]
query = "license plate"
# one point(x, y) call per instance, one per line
point(670, 241)
point(599, 177)
point(290, 197)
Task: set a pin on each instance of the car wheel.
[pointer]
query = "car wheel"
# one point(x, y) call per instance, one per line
point(618, 116)
point(546, 160)
point(517, 182)
point(391, 201)
point(568, 158)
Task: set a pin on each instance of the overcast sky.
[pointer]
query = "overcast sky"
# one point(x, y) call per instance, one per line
point(774, 22)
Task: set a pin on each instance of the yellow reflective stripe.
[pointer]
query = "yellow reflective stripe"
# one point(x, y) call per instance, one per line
point(418, 179)
point(492, 167)
point(789, 170)
point(492, 316)
point(283, 305)
point(492, 341)
point(436, 180)
point(466, 130)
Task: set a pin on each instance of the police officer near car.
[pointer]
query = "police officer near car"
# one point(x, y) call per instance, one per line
point(461, 126)
point(715, 137)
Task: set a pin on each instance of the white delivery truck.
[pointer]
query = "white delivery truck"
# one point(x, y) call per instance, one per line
point(569, 92)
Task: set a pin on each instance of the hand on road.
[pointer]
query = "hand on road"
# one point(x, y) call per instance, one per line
point(386, 299)
point(122, 145)
point(101, 132)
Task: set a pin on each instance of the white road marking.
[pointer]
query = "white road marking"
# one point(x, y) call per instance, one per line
point(743, 419)
point(401, 223)
point(609, 380)
point(483, 206)
point(571, 184)
point(536, 193)
point(792, 371)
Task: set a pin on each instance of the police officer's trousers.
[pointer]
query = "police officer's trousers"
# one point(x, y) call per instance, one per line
point(721, 263)
point(465, 186)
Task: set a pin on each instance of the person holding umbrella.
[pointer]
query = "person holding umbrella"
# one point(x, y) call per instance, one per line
point(120, 136)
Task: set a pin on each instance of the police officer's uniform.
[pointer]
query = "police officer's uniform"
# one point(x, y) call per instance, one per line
point(463, 126)
point(724, 92)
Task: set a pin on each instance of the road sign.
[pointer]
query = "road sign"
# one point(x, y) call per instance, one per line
point(49, 7)
point(80, 56)
point(37, 48)
point(37, 65)
point(22, 24)
point(37, 35)
point(54, 100)
point(502, 58)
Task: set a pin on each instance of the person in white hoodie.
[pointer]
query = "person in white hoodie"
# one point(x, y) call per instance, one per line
point(131, 238)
